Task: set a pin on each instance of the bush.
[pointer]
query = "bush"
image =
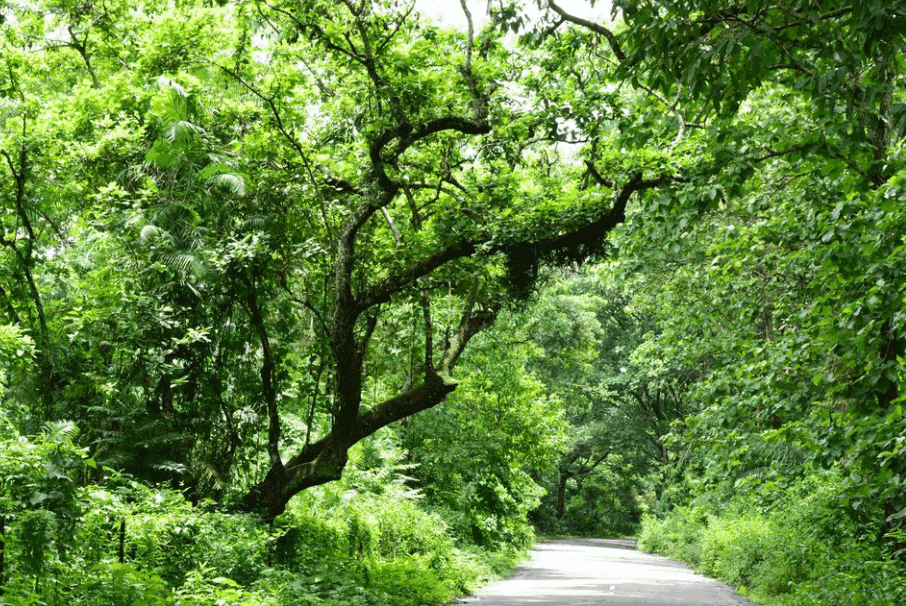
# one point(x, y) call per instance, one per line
point(367, 540)
point(203, 588)
point(410, 582)
point(361, 541)
point(679, 535)
point(114, 583)
point(733, 548)
point(852, 580)
point(807, 551)
point(302, 539)
point(174, 538)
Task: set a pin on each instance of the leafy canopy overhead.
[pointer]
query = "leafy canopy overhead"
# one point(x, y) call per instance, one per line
point(244, 237)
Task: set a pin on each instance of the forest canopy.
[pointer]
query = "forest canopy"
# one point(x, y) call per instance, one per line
point(247, 236)
point(533, 265)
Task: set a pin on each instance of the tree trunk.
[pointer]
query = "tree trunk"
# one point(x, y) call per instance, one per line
point(561, 494)
point(324, 460)
point(2, 551)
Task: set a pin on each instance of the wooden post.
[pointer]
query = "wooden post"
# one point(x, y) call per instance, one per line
point(2, 549)
point(123, 541)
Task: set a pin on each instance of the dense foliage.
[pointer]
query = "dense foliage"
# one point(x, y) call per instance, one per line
point(318, 302)
point(784, 302)
point(241, 241)
point(365, 540)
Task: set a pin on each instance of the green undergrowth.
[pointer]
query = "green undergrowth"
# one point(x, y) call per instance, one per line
point(365, 550)
point(808, 549)
point(368, 540)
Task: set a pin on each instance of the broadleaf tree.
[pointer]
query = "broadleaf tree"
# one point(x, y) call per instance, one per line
point(235, 207)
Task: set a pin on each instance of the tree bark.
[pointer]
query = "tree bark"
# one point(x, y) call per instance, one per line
point(2, 551)
point(323, 461)
point(561, 494)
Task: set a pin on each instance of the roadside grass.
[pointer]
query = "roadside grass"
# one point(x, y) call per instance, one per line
point(806, 550)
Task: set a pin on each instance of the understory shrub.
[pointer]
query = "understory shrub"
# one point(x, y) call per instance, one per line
point(114, 583)
point(806, 550)
point(364, 541)
point(411, 581)
point(679, 535)
point(733, 548)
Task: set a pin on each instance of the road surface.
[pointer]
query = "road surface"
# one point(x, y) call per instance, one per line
point(589, 572)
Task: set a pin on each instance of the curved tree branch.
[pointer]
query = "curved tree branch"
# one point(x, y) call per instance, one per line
point(591, 25)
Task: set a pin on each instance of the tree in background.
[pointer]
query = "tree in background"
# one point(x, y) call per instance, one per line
point(476, 456)
point(588, 329)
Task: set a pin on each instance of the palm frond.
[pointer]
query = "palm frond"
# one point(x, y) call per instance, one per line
point(182, 132)
point(61, 431)
point(150, 233)
point(230, 182)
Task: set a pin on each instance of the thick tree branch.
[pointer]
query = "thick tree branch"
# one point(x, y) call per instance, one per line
point(431, 392)
point(406, 137)
point(586, 235)
point(13, 314)
point(382, 291)
point(596, 175)
point(302, 469)
point(465, 126)
point(323, 461)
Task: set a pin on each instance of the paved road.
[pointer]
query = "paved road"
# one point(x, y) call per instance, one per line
point(592, 572)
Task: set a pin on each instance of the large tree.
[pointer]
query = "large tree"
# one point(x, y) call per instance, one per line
point(266, 239)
